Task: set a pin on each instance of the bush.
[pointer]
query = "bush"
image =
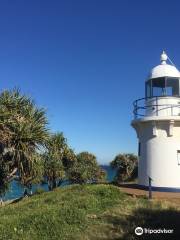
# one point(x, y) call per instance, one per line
point(86, 170)
point(127, 167)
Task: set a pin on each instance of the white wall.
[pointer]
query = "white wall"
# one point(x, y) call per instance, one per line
point(160, 141)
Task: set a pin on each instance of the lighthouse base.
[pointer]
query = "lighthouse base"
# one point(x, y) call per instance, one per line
point(159, 189)
point(159, 153)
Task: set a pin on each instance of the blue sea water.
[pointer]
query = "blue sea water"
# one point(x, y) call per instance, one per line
point(16, 190)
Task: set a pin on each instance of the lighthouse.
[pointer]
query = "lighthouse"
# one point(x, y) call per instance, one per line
point(157, 124)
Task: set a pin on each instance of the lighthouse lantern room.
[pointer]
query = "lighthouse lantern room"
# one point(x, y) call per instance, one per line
point(157, 124)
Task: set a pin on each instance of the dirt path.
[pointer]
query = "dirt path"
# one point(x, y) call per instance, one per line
point(132, 190)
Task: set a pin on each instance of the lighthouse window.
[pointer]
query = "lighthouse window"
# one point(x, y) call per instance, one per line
point(172, 86)
point(158, 87)
point(178, 157)
point(165, 86)
point(148, 89)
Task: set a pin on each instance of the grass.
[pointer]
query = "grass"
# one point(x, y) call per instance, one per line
point(89, 212)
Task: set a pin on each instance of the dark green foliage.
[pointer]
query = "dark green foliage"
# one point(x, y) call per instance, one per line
point(126, 165)
point(69, 158)
point(37, 172)
point(54, 170)
point(100, 175)
point(23, 130)
point(86, 170)
point(4, 184)
point(24, 134)
point(57, 159)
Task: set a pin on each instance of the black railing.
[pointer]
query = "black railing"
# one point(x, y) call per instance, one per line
point(141, 106)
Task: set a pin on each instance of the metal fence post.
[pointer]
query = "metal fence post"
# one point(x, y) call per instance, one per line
point(150, 188)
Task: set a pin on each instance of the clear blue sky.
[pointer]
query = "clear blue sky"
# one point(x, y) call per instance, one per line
point(86, 61)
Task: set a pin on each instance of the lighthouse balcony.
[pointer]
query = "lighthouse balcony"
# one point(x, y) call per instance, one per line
point(156, 106)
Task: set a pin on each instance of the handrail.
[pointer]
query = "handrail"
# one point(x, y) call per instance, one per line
point(138, 107)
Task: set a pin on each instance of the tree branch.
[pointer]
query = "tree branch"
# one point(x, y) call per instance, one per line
point(12, 173)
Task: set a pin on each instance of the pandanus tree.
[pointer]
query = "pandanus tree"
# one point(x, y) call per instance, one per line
point(4, 186)
point(23, 130)
point(58, 157)
point(126, 166)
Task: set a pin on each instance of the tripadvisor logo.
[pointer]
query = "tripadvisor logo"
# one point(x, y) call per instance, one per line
point(140, 231)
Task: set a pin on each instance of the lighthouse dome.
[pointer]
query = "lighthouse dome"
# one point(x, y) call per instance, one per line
point(164, 69)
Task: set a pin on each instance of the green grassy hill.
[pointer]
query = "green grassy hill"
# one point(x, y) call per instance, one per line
point(84, 212)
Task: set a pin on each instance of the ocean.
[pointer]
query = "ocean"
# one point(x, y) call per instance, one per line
point(16, 190)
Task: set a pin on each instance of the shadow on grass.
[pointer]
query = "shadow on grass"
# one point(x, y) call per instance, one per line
point(149, 219)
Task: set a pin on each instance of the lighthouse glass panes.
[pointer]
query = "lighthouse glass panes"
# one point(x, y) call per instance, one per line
point(172, 87)
point(164, 86)
point(158, 87)
point(148, 89)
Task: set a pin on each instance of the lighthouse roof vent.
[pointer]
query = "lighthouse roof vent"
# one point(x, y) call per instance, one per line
point(164, 69)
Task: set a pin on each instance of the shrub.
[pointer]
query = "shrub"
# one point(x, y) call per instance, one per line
point(126, 165)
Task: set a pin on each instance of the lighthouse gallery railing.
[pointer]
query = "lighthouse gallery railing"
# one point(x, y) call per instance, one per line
point(141, 106)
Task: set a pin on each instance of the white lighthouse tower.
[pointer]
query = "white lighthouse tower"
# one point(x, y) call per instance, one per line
point(157, 123)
